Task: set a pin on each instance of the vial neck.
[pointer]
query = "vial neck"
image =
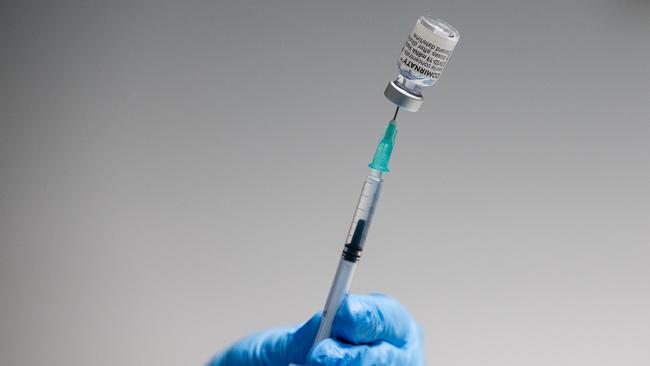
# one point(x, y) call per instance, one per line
point(408, 84)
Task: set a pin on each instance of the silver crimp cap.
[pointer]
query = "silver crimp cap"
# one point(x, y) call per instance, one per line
point(402, 97)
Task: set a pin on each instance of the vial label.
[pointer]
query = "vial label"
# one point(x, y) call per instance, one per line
point(426, 53)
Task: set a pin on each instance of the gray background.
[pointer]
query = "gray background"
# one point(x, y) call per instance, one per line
point(176, 175)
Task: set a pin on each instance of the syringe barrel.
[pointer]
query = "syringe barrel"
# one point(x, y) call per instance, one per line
point(363, 215)
point(352, 251)
point(338, 291)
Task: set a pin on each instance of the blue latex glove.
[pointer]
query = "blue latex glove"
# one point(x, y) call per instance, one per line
point(367, 330)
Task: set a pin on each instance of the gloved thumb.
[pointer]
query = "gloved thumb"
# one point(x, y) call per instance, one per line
point(274, 347)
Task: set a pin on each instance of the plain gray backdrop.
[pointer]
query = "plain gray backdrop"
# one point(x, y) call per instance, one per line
point(176, 175)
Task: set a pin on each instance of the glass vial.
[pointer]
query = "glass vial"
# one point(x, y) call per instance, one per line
point(424, 56)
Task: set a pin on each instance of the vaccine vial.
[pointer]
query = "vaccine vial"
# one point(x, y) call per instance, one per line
point(424, 56)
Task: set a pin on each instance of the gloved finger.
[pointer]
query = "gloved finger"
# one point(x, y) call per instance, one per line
point(373, 318)
point(331, 352)
point(274, 347)
point(302, 340)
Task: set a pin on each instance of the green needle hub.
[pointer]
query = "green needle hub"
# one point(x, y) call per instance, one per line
point(385, 148)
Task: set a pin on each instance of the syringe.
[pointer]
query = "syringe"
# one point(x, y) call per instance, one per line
point(423, 58)
point(358, 229)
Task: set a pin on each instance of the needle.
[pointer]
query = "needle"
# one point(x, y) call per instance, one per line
point(395, 115)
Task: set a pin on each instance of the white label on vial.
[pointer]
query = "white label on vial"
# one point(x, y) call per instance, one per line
point(426, 53)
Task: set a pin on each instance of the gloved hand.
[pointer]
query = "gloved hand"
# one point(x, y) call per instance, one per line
point(367, 330)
